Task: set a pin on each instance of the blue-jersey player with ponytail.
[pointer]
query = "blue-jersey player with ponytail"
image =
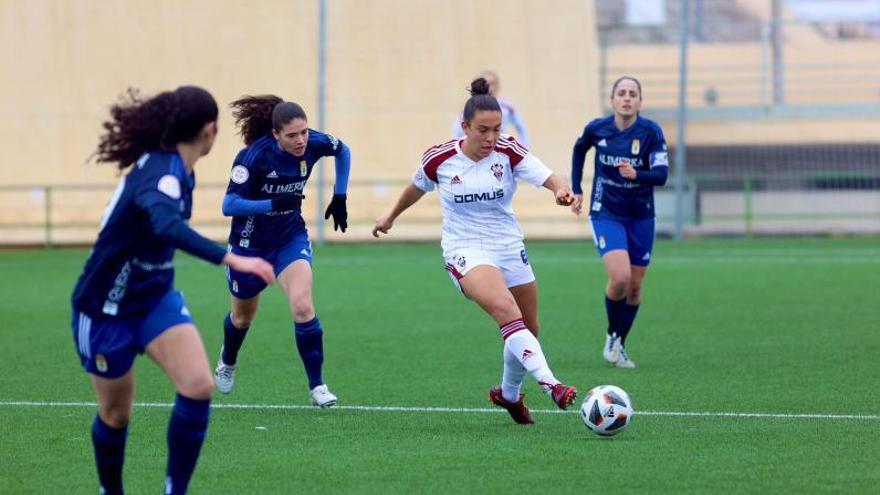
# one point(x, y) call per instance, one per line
point(124, 303)
point(264, 199)
point(631, 159)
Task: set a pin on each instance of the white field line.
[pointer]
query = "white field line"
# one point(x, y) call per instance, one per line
point(268, 407)
point(590, 259)
point(758, 256)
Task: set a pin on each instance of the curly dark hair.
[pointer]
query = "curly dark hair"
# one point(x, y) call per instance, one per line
point(161, 122)
point(257, 116)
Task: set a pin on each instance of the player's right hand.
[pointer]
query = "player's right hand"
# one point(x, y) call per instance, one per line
point(383, 225)
point(577, 206)
point(253, 265)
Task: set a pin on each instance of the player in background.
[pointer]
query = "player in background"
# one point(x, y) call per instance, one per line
point(482, 242)
point(509, 114)
point(264, 199)
point(631, 158)
point(124, 302)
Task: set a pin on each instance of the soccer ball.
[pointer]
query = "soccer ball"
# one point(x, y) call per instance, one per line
point(607, 410)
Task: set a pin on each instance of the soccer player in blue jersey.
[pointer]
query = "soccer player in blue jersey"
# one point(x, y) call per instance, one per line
point(631, 158)
point(124, 302)
point(263, 198)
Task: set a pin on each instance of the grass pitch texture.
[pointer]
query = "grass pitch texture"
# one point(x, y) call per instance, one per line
point(757, 373)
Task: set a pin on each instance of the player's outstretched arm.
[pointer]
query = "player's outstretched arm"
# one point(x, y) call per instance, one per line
point(564, 196)
point(253, 265)
point(410, 195)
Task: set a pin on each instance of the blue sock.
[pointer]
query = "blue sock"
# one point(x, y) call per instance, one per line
point(233, 338)
point(615, 311)
point(629, 316)
point(310, 344)
point(186, 432)
point(109, 446)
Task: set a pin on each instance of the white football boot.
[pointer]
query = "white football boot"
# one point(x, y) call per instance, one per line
point(224, 375)
point(322, 397)
point(623, 361)
point(611, 351)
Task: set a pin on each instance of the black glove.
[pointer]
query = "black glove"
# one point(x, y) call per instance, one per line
point(339, 211)
point(287, 202)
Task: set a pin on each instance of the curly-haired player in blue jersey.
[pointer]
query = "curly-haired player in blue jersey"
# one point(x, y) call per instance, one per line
point(631, 158)
point(124, 302)
point(264, 197)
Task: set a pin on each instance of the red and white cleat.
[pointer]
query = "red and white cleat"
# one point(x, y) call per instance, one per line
point(563, 395)
point(518, 410)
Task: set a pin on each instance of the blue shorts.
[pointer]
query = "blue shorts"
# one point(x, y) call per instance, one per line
point(245, 285)
point(636, 237)
point(107, 346)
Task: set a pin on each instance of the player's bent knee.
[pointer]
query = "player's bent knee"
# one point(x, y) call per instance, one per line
point(199, 386)
point(242, 320)
point(619, 285)
point(115, 417)
point(303, 311)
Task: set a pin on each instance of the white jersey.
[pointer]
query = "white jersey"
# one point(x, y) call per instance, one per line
point(477, 196)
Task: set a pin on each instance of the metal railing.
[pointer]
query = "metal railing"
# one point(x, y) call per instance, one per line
point(767, 73)
point(745, 204)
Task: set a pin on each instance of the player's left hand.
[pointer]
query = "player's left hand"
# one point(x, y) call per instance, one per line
point(577, 206)
point(627, 171)
point(338, 210)
point(564, 196)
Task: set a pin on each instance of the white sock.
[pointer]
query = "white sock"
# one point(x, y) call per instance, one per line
point(512, 378)
point(525, 347)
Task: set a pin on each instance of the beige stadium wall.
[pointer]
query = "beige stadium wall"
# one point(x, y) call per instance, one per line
point(818, 71)
point(397, 73)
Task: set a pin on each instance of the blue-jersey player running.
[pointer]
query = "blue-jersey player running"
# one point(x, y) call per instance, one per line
point(631, 158)
point(124, 302)
point(263, 198)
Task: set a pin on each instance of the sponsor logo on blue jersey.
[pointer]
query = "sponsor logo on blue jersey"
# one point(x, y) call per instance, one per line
point(617, 161)
point(283, 188)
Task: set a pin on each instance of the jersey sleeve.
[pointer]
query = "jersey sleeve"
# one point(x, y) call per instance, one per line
point(578, 155)
point(658, 155)
point(326, 144)
point(162, 187)
point(243, 175)
point(425, 177)
point(532, 170)
point(421, 180)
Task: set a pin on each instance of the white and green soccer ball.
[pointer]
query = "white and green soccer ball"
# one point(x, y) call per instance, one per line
point(607, 410)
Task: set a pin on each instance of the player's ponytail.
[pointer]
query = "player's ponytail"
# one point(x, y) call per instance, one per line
point(257, 116)
point(253, 115)
point(161, 122)
point(480, 99)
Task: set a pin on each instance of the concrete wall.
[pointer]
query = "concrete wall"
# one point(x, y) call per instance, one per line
point(397, 73)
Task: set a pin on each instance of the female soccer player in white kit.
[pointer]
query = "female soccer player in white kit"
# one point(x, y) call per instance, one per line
point(482, 242)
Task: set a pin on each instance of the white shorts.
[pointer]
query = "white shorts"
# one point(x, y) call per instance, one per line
point(513, 265)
